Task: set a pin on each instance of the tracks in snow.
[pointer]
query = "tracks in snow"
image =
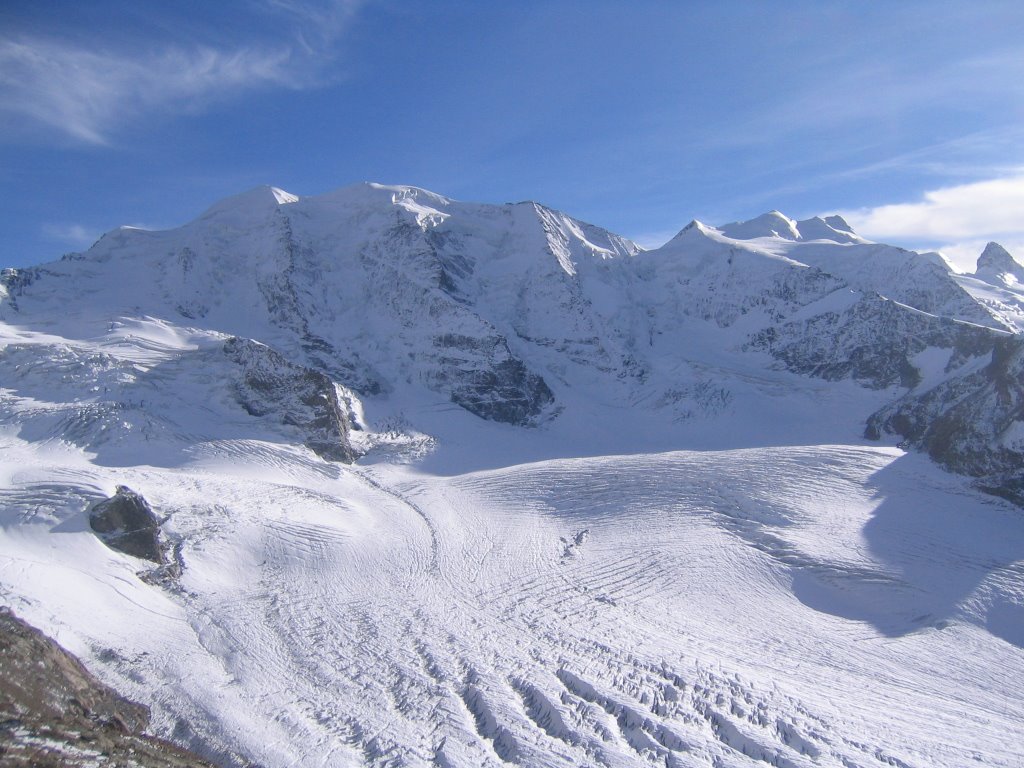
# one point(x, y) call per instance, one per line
point(434, 542)
point(446, 622)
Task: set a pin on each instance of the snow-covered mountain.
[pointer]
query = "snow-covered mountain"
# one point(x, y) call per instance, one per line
point(997, 285)
point(461, 484)
point(996, 265)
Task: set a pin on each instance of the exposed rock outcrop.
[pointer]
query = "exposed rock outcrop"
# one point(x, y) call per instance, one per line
point(872, 341)
point(972, 424)
point(501, 389)
point(293, 395)
point(126, 522)
point(53, 712)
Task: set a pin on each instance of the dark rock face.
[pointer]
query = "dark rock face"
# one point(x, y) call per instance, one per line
point(508, 393)
point(15, 281)
point(872, 342)
point(126, 523)
point(485, 378)
point(301, 397)
point(54, 713)
point(969, 424)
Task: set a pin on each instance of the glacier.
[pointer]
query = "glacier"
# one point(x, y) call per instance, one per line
point(458, 484)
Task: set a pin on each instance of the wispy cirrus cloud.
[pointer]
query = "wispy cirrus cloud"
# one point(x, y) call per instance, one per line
point(316, 24)
point(74, 235)
point(958, 219)
point(86, 93)
point(989, 152)
point(885, 93)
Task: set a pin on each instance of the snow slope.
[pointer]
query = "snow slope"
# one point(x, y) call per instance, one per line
point(684, 554)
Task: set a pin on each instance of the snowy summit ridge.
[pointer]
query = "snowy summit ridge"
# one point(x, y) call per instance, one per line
point(511, 311)
point(776, 224)
point(433, 482)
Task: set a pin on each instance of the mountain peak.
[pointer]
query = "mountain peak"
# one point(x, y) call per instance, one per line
point(261, 198)
point(403, 192)
point(777, 224)
point(771, 224)
point(283, 197)
point(694, 229)
point(995, 255)
point(839, 223)
point(832, 228)
point(996, 262)
point(697, 225)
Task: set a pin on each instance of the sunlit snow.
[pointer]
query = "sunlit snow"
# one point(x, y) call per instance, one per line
point(693, 558)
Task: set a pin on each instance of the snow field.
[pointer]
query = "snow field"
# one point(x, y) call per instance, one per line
point(690, 608)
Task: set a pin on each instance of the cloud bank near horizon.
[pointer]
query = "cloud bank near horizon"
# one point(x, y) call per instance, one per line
point(956, 220)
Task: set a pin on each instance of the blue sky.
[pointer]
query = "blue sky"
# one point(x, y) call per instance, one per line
point(906, 117)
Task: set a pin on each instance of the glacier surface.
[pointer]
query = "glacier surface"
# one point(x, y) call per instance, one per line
point(455, 484)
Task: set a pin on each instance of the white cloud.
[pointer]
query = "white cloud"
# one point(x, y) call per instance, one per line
point(70, 234)
point(317, 23)
point(957, 220)
point(974, 210)
point(86, 93)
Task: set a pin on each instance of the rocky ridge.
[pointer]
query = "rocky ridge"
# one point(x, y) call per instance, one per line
point(53, 712)
point(971, 423)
